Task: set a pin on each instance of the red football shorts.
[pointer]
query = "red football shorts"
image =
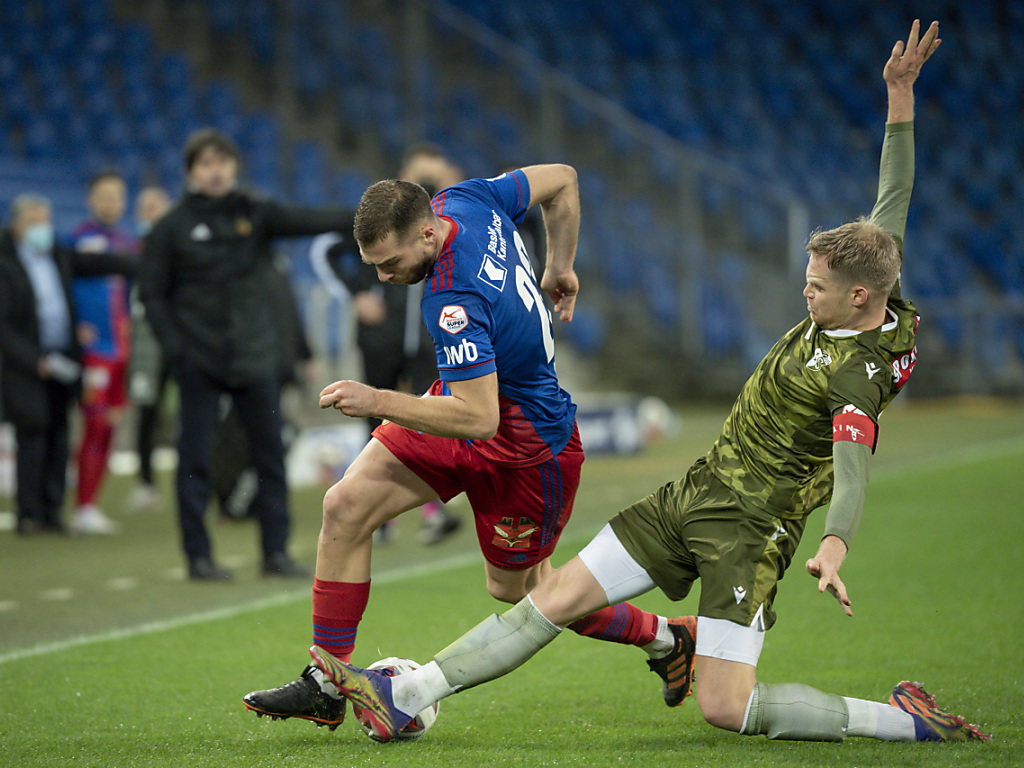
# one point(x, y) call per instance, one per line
point(103, 382)
point(520, 511)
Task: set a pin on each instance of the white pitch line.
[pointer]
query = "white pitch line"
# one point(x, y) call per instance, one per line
point(398, 574)
point(8, 605)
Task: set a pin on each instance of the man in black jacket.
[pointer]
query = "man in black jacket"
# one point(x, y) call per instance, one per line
point(42, 358)
point(205, 286)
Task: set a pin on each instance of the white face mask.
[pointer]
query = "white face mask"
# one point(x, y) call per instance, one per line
point(39, 237)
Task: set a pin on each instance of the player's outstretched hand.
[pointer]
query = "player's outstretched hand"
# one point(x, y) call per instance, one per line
point(824, 566)
point(562, 289)
point(905, 62)
point(352, 398)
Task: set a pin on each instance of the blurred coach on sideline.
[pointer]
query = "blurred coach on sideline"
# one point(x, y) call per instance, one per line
point(42, 357)
point(205, 283)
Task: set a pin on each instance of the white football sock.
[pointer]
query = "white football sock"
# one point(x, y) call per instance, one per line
point(414, 691)
point(664, 641)
point(876, 720)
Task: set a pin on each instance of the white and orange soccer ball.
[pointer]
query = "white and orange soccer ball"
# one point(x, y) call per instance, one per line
point(396, 665)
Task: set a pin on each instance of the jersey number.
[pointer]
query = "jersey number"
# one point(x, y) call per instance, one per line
point(526, 284)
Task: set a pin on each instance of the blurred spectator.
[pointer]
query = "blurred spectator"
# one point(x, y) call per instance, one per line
point(396, 348)
point(42, 358)
point(148, 374)
point(101, 306)
point(204, 283)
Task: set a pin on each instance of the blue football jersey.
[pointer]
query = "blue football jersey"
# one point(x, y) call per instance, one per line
point(485, 312)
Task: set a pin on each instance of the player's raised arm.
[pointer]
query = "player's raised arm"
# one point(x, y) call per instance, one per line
point(902, 68)
point(556, 189)
point(896, 172)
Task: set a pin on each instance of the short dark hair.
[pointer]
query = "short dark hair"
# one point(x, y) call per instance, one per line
point(390, 207)
point(860, 252)
point(206, 138)
point(104, 175)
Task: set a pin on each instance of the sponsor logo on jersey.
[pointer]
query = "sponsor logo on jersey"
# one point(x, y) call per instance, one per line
point(903, 366)
point(820, 359)
point(854, 426)
point(871, 369)
point(453, 318)
point(492, 273)
point(496, 244)
point(201, 232)
point(464, 352)
point(512, 535)
point(739, 593)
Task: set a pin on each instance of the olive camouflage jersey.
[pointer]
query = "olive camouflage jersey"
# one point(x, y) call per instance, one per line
point(775, 449)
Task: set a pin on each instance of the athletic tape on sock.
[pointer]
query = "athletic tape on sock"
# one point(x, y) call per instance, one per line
point(496, 646)
point(797, 712)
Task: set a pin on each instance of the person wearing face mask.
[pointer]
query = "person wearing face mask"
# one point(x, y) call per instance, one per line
point(103, 330)
point(396, 349)
point(205, 281)
point(42, 357)
point(147, 372)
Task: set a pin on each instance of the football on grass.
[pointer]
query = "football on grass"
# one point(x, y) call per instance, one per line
point(395, 665)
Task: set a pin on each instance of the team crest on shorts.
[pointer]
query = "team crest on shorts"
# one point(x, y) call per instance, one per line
point(514, 535)
point(453, 318)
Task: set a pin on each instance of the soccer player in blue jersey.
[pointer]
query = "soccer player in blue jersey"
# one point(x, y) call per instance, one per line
point(101, 304)
point(496, 426)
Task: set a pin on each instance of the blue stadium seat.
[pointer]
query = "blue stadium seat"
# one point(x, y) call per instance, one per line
point(40, 139)
point(351, 183)
point(661, 288)
point(722, 320)
point(175, 74)
point(586, 332)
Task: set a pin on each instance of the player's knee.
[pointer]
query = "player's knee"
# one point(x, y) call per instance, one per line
point(344, 510)
point(720, 710)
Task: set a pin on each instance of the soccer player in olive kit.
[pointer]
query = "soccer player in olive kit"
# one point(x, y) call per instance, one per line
point(801, 431)
point(497, 425)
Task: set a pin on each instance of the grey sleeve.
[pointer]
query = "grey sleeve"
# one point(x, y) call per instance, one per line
point(895, 180)
point(850, 462)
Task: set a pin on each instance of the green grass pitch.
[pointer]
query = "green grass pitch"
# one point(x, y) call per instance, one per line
point(109, 658)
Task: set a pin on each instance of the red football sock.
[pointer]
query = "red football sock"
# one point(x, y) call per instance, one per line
point(337, 610)
point(622, 623)
point(92, 457)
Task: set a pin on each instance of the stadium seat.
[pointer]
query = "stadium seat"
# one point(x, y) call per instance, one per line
point(351, 183)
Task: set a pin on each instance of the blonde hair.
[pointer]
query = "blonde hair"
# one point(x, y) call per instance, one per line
point(859, 252)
